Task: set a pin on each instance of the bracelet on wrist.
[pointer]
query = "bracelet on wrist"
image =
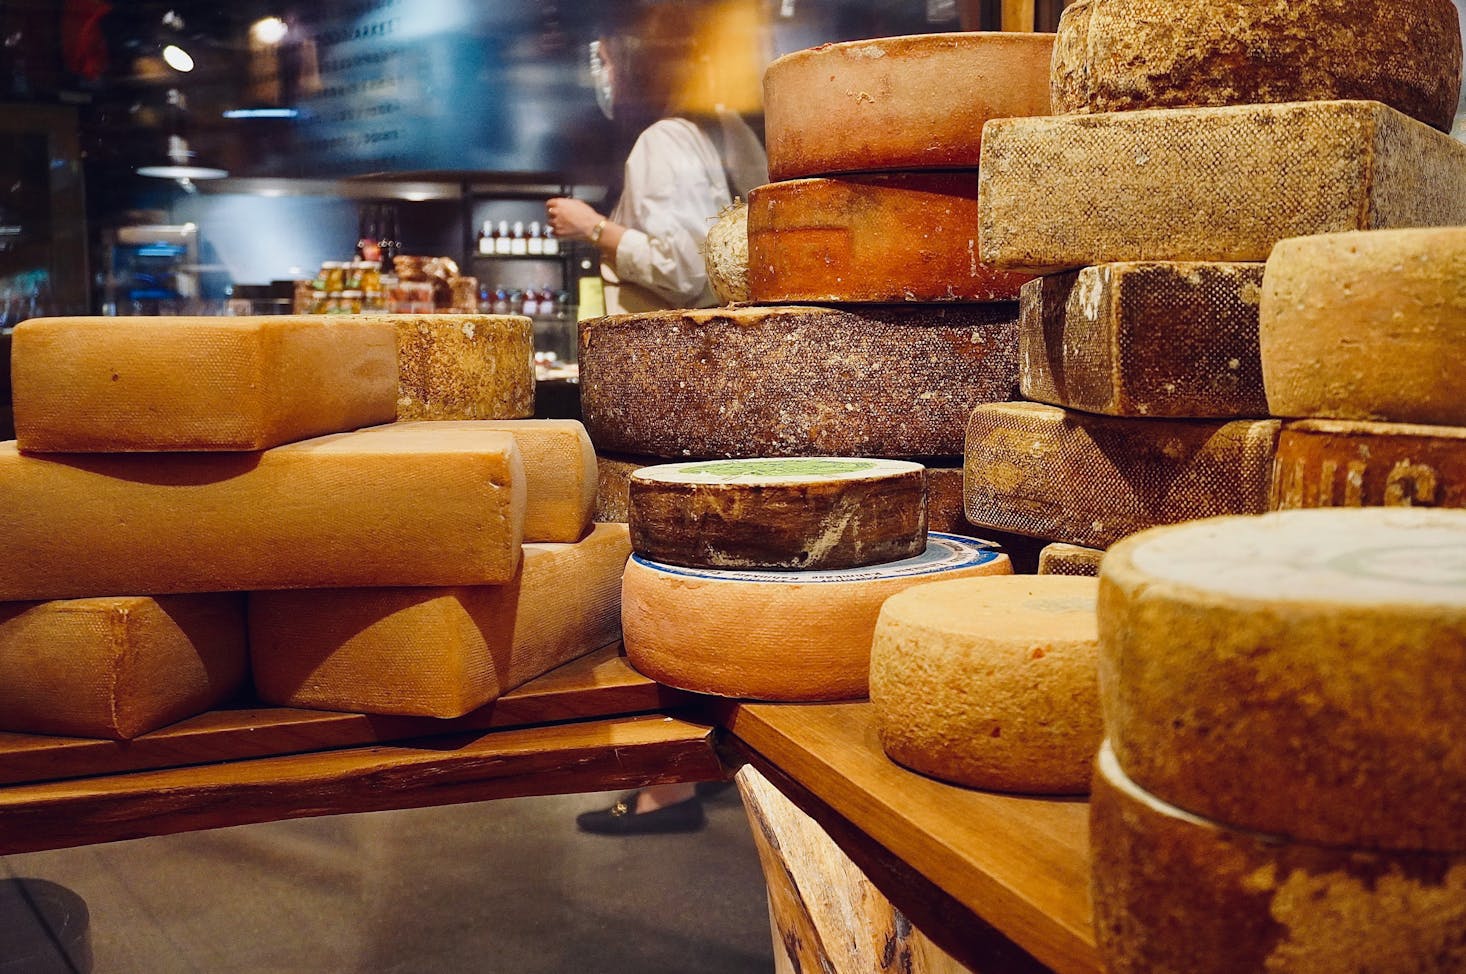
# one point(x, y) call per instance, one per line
point(596, 231)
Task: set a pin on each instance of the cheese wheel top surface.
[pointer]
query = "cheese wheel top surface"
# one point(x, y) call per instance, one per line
point(944, 553)
point(1062, 608)
point(773, 471)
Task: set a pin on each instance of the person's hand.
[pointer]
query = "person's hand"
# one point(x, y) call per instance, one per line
point(571, 219)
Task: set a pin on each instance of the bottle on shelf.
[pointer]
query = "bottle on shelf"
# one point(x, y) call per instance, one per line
point(533, 240)
point(367, 245)
point(390, 243)
point(551, 243)
point(518, 246)
point(487, 238)
point(501, 242)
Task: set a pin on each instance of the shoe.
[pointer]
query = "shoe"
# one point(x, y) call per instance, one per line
point(622, 819)
point(712, 789)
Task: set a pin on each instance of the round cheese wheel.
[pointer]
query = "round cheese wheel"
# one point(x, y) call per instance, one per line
point(775, 635)
point(725, 252)
point(991, 682)
point(1343, 463)
point(916, 102)
point(886, 237)
point(1301, 673)
point(791, 513)
point(1117, 55)
point(1178, 894)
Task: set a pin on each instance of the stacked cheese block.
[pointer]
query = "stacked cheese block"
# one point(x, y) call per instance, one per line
point(763, 577)
point(166, 466)
point(1284, 782)
point(875, 327)
point(1191, 139)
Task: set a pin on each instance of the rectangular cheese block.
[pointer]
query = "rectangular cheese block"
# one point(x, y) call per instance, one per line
point(386, 506)
point(1092, 480)
point(560, 474)
point(464, 366)
point(1207, 183)
point(439, 652)
point(1341, 463)
point(118, 667)
point(1154, 338)
point(1069, 559)
point(114, 385)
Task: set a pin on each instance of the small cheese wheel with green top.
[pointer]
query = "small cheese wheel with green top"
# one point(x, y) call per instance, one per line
point(991, 682)
point(791, 513)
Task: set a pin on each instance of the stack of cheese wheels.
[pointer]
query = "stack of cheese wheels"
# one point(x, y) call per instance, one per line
point(991, 682)
point(1361, 340)
point(1187, 141)
point(164, 466)
point(762, 577)
point(1285, 702)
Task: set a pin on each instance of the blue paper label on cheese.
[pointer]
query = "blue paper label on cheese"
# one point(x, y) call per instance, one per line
point(944, 553)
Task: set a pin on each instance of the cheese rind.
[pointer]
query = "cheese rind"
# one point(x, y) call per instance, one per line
point(1216, 184)
point(1159, 338)
point(613, 486)
point(725, 252)
point(438, 652)
point(118, 667)
point(115, 385)
point(944, 510)
point(386, 506)
point(464, 366)
point(991, 682)
point(1367, 326)
point(775, 635)
point(1267, 672)
point(1338, 463)
point(794, 381)
point(1121, 55)
point(915, 102)
point(1069, 559)
point(797, 514)
point(1178, 894)
point(1091, 480)
point(887, 237)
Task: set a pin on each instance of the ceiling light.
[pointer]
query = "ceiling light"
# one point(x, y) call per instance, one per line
point(178, 166)
point(268, 31)
point(262, 113)
point(177, 58)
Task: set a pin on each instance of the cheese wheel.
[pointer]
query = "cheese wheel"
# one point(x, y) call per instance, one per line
point(885, 237)
point(793, 381)
point(464, 366)
point(1069, 559)
point(613, 486)
point(1334, 463)
point(725, 252)
point(775, 635)
point(438, 652)
point(990, 682)
point(118, 667)
point(114, 385)
point(385, 506)
point(916, 102)
point(1120, 55)
point(1178, 894)
point(791, 513)
point(1216, 184)
point(1299, 673)
point(1091, 480)
point(1158, 338)
point(1367, 326)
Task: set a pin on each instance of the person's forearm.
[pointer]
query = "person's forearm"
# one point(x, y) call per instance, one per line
point(573, 219)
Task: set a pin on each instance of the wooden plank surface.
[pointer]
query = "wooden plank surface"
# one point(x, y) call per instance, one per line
point(1020, 863)
point(601, 684)
point(622, 752)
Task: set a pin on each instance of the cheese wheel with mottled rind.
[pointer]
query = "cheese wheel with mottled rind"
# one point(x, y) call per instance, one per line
point(122, 385)
point(1300, 673)
point(914, 102)
point(991, 682)
point(464, 366)
point(1217, 184)
point(1341, 463)
point(1175, 893)
point(775, 635)
point(791, 513)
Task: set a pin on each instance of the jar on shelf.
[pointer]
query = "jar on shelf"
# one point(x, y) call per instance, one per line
point(333, 276)
point(351, 302)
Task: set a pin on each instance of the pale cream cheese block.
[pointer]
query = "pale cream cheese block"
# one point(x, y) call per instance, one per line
point(392, 505)
point(991, 682)
point(1172, 339)
point(1091, 480)
point(1213, 184)
point(1343, 463)
point(1175, 893)
point(775, 635)
point(1301, 673)
point(1069, 559)
point(892, 381)
point(438, 652)
point(914, 102)
point(464, 366)
point(116, 385)
point(1367, 326)
point(118, 667)
point(1120, 55)
point(791, 513)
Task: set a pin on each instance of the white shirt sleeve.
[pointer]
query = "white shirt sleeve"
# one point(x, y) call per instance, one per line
point(674, 188)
